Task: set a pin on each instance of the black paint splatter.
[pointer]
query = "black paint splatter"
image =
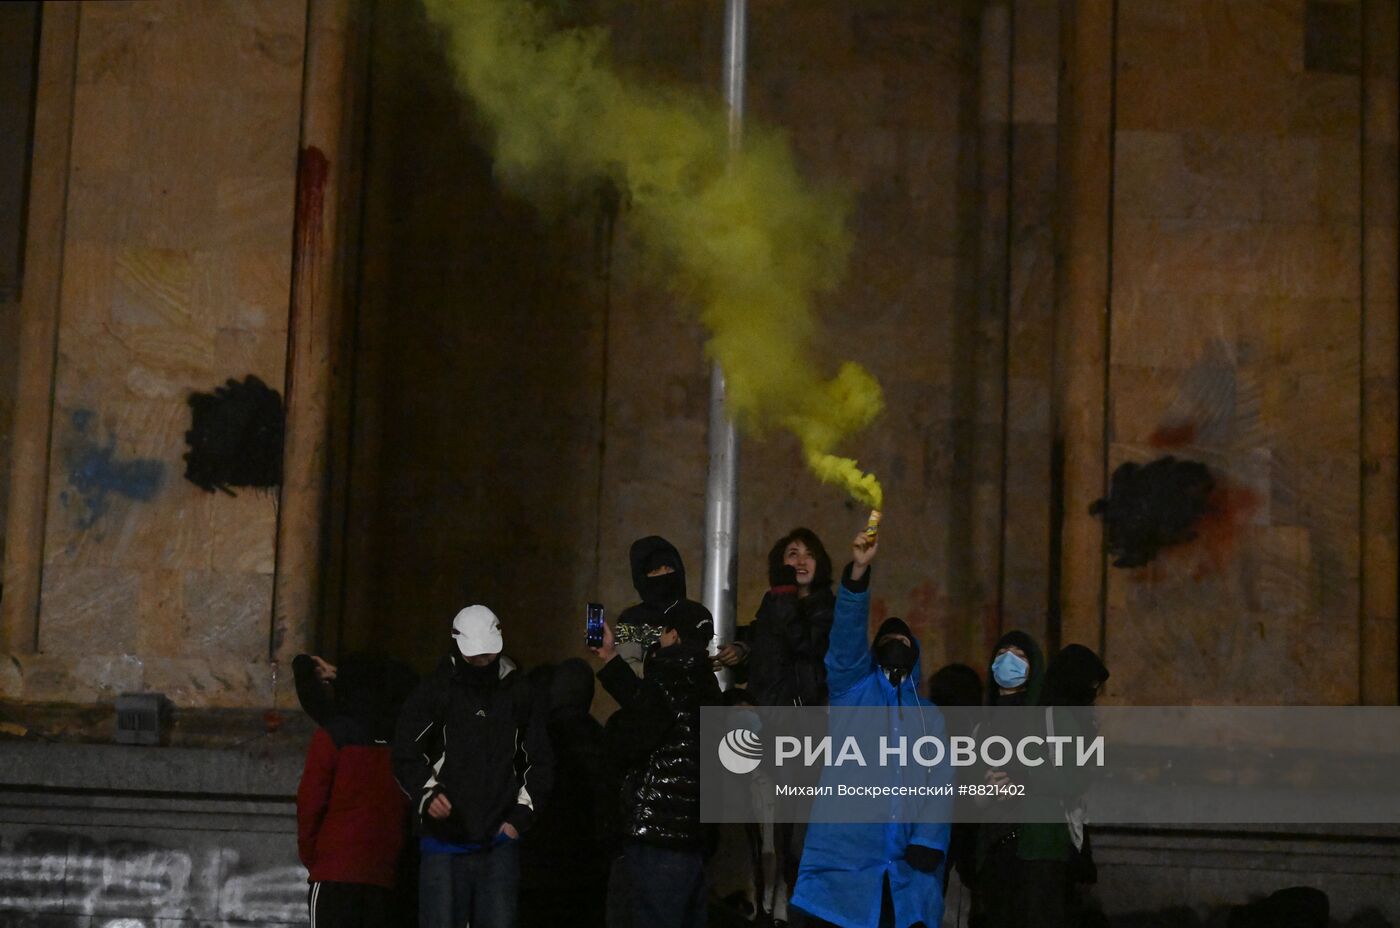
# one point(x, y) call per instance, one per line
point(1153, 506)
point(235, 437)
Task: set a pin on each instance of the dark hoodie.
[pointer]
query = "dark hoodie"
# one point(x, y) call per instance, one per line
point(564, 863)
point(663, 602)
point(1073, 677)
point(1070, 686)
point(991, 835)
point(1035, 675)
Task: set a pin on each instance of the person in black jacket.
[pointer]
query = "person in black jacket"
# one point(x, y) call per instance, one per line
point(564, 866)
point(658, 574)
point(472, 753)
point(785, 650)
point(655, 738)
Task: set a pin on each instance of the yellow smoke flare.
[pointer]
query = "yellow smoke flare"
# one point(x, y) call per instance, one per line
point(744, 237)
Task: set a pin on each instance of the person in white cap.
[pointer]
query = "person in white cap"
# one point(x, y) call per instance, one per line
point(472, 753)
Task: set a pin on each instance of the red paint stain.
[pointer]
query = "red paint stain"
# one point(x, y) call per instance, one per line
point(923, 606)
point(1173, 436)
point(879, 611)
point(1230, 508)
point(313, 170)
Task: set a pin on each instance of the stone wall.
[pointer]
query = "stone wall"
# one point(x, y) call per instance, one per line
point(1051, 277)
point(171, 254)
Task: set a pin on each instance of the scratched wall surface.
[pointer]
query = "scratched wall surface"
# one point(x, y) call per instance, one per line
point(1236, 341)
point(176, 270)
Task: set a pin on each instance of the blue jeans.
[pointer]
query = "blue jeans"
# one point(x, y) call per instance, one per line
point(481, 889)
point(666, 888)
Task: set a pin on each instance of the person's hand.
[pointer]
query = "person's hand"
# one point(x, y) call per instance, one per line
point(862, 553)
point(998, 778)
point(731, 655)
point(440, 807)
point(508, 830)
point(608, 649)
point(325, 670)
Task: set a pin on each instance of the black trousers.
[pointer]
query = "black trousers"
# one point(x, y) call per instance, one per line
point(349, 905)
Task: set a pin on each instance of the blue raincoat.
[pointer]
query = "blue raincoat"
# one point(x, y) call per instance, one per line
point(844, 866)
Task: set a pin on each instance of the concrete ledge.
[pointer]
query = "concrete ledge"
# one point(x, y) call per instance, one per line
point(269, 770)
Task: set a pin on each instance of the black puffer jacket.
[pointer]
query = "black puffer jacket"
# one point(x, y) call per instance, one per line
point(655, 736)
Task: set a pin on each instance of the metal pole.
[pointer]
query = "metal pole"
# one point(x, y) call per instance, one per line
point(722, 485)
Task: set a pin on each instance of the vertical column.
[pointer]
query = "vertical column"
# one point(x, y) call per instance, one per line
point(979, 562)
point(1380, 651)
point(1035, 65)
point(317, 297)
point(1083, 269)
point(39, 307)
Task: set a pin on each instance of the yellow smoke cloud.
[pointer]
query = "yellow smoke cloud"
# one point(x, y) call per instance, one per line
point(745, 237)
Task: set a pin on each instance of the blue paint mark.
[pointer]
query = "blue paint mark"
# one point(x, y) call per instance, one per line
point(95, 472)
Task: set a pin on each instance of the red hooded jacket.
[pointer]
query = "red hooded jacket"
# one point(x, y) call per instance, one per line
point(350, 811)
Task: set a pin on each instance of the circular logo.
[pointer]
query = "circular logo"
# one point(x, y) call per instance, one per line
point(741, 751)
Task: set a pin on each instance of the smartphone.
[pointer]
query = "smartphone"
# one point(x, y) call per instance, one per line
point(593, 626)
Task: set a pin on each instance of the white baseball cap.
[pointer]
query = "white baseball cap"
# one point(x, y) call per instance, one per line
point(477, 631)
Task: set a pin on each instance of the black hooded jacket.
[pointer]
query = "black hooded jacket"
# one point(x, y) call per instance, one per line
point(1073, 677)
point(1035, 674)
point(663, 598)
point(486, 747)
point(655, 739)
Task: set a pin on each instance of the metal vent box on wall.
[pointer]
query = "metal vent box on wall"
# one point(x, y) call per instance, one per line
point(142, 718)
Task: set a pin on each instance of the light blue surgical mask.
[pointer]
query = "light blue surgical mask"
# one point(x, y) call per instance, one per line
point(1009, 670)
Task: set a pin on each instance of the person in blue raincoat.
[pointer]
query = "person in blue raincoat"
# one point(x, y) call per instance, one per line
point(886, 874)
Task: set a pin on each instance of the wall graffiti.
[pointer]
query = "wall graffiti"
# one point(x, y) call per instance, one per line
point(235, 437)
point(128, 882)
point(96, 473)
point(1153, 506)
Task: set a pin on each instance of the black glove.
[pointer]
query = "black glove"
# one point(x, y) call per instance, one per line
point(782, 575)
point(923, 859)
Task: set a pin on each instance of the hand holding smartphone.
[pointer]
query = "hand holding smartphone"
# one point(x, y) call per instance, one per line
point(593, 626)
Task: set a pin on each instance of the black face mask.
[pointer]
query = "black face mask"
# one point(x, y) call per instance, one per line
point(896, 657)
point(661, 590)
point(481, 676)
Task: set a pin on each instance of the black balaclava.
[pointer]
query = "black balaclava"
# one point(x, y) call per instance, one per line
point(1073, 677)
point(895, 657)
point(481, 677)
point(647, 555)
point(955, 685)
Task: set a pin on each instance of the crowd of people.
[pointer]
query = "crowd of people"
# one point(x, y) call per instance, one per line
point(487, 796)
